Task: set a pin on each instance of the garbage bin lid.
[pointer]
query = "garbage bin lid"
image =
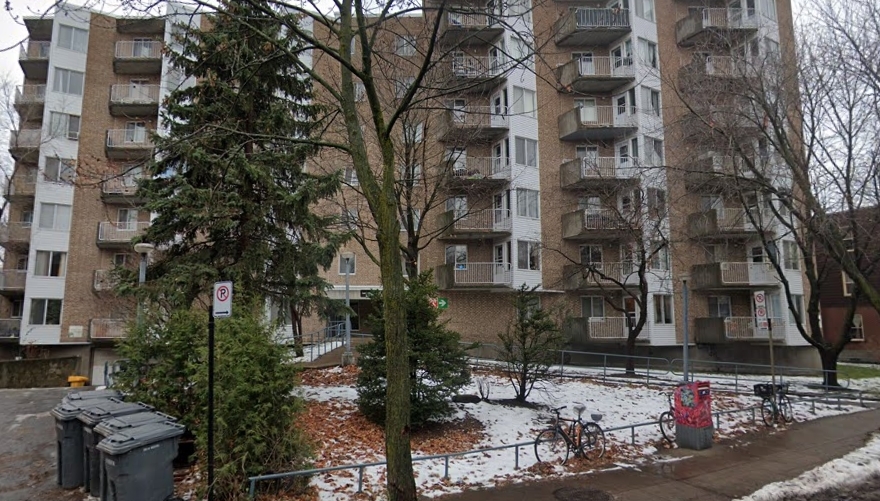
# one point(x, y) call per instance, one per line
point(117, 424)
point(139, 436)
point(113, 408)
point(69, 410)
point(87, 395)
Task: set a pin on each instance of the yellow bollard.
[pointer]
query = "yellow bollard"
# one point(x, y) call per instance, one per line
point(77, 381)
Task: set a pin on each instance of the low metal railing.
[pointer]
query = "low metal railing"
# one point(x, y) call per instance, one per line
point(138, 49)
point(30, 94)
point(134, 94)
point(34, 50)
point(129, 138)
point(120, 232)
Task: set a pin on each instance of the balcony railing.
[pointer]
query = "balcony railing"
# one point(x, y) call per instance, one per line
point(739, 328)
point(10, 328)
point(23, 185)
point(473, 123)
point(25, 139)
point(734, 275)
point(15, 232)
point(138, 49)
point(474, 275)
point(124, 186)
point(479, 168)
point(599, 275)
point(134, 94)
point(128, 143)
point(107, 328)
point(30, 94)
point(715, 21)
point(487, 220)
point(12, 280)
point(109, 232)
point(104, 280)
point(580, 172)
point(729, 222)
point(589, 26)
point(478, 67)
point(467, 25)
point(593, 223)
point(34, 50)
point(595, 73)
point(598, 329)
point(597, 122)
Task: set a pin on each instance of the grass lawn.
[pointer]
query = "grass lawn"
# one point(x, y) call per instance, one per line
point(858, 371)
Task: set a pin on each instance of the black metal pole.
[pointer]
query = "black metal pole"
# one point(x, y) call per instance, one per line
point(211, 403)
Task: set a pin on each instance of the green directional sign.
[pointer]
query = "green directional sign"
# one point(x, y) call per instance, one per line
point(442, 303)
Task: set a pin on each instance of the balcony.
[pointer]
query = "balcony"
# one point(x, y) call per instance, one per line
point(103, 281)
point(599, 277)
point(475, 225)
point(585, 330)
point(733, 276)
point(712, 173)
point(120, 190)
point(727, 223)
point(127, 100)
point(595, 74)
point(24, 145)
point(12, 282)
point(591, 27)
point(23, 185)
point(138, 57)
point(469, 26)
point(33, 57)
point(472, 124)
point(10, 330)
point(129, 144)
point(119, 235)
point(107, 329)
point(596, 122)
point(733, 329)
point(718, 26)
point(474, 276)
point(477, 73)
point(15, 236)
point(594, 224)
point(478, 172)
point(38, 27)
point(141, 25)
point(30, 101)
point(712, 74)
point(597, 172)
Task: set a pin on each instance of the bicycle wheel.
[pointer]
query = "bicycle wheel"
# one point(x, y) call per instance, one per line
point(592, 441)
point(550, 447)
point(667, 426)
point(768, 412)
point(785, 409)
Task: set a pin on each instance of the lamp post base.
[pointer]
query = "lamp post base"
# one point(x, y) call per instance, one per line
point(347, 358)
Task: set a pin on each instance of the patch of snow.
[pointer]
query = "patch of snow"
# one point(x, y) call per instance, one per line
point(849, 470)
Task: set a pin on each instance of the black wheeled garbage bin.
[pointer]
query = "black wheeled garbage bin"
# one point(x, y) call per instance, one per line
point(92, 417)
point(69, 439)
point(138, 462)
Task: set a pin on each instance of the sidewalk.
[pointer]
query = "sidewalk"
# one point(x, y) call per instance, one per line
point(723, 472)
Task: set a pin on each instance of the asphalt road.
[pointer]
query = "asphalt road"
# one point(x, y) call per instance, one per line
point(27, 446)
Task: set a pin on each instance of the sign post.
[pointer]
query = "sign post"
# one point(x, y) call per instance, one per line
point(221, 307)
point(765, 323)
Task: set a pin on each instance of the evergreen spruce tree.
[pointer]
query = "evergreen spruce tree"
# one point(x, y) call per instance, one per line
point(231, 198)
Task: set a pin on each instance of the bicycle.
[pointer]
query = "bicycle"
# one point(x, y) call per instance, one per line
point(775, 405)
point(585, 438)
point(667, 421)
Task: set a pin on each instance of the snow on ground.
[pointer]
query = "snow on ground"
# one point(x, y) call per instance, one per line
point(620, 403)
point(850, 470)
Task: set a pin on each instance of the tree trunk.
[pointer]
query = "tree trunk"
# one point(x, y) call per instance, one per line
point(630, 352)
point(829, 366)
point(401, 481)
point(296, 327)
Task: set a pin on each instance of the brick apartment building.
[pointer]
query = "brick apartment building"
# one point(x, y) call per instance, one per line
point(548, 154)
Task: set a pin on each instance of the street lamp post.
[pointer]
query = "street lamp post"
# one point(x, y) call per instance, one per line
point(686, 344)
point(347, 356)
point(144, 249)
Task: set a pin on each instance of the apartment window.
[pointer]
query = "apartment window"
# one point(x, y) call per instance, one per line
point(651, 100)
point(520, 8)
point(458, 205)
point(54, 216)
point(68, 82)
point(848, 284)
point(662, 309)
point(401, 87)
point(416, 215)
point(71, 38)
point(45, 312)
point(135, 132)
point(719, 306)
point(528, 255)
point(524, 102)
point(526, 151)
point(656, 202)
point(17, 308)
point(59, 170)
point(413, 133)
point(126, 219)
point(593, 306)
point(527, 203)
point(120, 260)
point(359, 91)
point(22, 263)
point(349, 218)
point(654, 151)
point(351, 177)
point(50, 264)
point(797, 302)
point(857, 331)
point(522, 52)
point(27, 218)
point(410, 175)
point(649, 53)
point(351, 265)
point(792, 255)
point(457, 256)
point(645, 9)
point(405, 45)
point(64, 125)
point(659, 255)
